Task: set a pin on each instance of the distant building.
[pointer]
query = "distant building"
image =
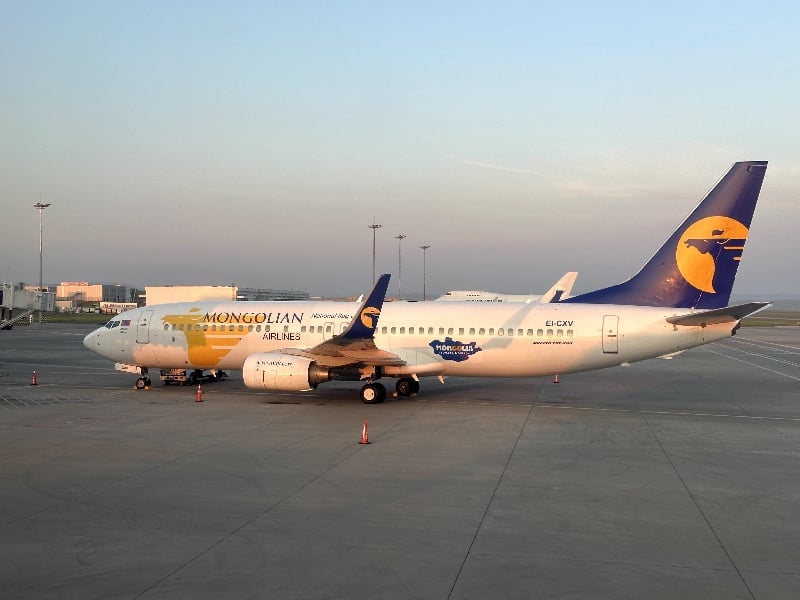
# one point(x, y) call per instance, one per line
point(84, 296)
point(258, 295)
point(164, 294)
point(224, 293)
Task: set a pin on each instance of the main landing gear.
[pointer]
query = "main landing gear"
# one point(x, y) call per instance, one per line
point(143, 383)
point(406, 387)
point(375, 392)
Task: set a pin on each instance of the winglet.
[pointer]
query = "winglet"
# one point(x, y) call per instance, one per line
point(366, 319)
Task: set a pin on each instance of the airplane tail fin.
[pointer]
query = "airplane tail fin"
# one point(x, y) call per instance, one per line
point(696, 266)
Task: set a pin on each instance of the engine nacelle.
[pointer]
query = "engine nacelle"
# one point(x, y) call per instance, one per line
point(282, 372)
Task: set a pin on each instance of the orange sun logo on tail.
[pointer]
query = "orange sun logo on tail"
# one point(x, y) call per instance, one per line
point(700, 245)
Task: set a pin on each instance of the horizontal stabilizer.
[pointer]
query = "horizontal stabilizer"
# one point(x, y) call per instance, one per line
point(729, 314)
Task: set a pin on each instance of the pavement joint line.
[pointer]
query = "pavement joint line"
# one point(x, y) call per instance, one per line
point(759, 355)
point(344, 458)
point(752, 364)
point(694, 499)
point(674, 413)
point(490, 502)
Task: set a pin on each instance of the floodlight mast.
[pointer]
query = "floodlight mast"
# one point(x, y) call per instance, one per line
point(374, 228)
point(40, 206)
point(424, 270)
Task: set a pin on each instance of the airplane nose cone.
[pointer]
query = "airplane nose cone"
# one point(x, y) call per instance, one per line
point(91, 341)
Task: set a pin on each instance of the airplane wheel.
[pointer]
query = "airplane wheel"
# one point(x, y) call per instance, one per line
point(414, 386)
point(140, 383)
point(405, 386)
point(373, 393)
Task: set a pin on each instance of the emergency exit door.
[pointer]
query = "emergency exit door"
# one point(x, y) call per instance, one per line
point(610, 334)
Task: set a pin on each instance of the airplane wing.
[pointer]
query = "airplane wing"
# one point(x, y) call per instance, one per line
point(356, 344)
point(729, 314)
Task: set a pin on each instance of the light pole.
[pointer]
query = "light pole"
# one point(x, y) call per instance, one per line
point(374, 228)
point(400, 239)
point(40, 207)
point(424, 269)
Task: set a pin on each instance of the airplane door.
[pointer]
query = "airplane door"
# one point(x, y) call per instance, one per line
point(143, 328)
point(610, 334)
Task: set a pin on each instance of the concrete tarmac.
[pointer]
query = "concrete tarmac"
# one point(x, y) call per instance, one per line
point(666, 479)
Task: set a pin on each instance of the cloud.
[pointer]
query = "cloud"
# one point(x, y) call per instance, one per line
point(496, 167)
point(599, 190)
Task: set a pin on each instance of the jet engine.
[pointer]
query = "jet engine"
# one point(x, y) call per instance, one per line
point(283, 372)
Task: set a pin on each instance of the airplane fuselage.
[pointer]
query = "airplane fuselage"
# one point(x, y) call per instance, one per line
point(433, 338)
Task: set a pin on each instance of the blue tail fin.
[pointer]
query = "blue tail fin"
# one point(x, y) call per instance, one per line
point(696, 266)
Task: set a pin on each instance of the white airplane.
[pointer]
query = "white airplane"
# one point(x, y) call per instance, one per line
point(677, 301)
point(560, 290)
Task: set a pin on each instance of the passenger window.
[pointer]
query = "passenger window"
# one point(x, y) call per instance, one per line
point(549, 333)
point(472, 331)
point(519, 332)
point(491, 330)
point(570, 333)
point(540, 332)
point(501, 331)
point(441, 330)
point(460, 331)
point(402, 330)
point(166, 327)
point(530, 332)
point(384, 329)
point(560, 333)
point(394, 330)
point(449, 331)
point(482, 331)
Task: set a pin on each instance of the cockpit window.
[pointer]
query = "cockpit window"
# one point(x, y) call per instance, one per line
point(112, 324)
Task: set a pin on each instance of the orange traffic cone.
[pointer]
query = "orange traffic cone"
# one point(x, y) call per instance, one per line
point(555, 379)
point(199, 397)
point(33, 379)
point(364, 434)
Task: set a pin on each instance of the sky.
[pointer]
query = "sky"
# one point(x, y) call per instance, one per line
point(254, 143)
